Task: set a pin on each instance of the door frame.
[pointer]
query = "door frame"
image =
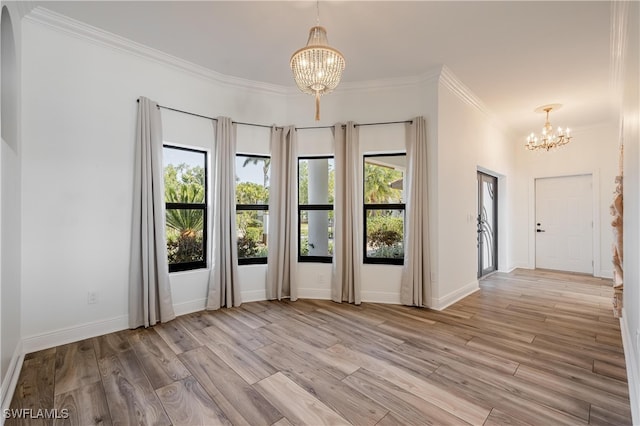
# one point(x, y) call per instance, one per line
point(595, 193)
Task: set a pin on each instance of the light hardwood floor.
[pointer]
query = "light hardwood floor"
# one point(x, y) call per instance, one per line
point(532, 347)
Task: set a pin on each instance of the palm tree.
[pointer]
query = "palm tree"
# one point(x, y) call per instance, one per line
point(265, 166)
point(377, 184)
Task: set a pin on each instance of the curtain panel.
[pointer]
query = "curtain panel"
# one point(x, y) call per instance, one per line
point(149, 288)
point(224, 289)
point(347, 257)
point(283, 215)
point(415, 288)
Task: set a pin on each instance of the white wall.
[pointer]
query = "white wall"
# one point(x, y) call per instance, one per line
point(631, 136)
point(79, 127)
point(10, 212)
point(593, 150)
point(468, 140)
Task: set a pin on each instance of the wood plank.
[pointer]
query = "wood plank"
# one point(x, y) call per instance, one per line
point(351, 404)
point(188, 404)
point(35, 387)
point(571, 386)
point(604, 416)
point(407, 407)
point(239, 401)
point(606, 369)
point(159, 362)
point(246, 363)
point(130, 396)
point(482, 393)
point(76, 366)
point(298, 405)
point(84, 406)
point(499, 418)
point(177, 336)
point(111, 344)
point(448, 401)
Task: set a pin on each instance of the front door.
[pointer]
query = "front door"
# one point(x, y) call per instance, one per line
point(564, 223)
point(487, 224)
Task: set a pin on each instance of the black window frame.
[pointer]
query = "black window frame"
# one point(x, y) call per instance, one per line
point(201, 264)
point(252, 207)
point(378, 206)
point(311, 207)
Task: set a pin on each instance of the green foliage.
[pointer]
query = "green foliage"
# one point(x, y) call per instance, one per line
point(251, 193)
point(184, 248)
point(385, 236)
point(247, 247)
point(250, 236)
point(377, 181)
point(184, 184)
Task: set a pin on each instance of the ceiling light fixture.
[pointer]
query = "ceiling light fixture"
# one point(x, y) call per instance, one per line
point(548, 139)
point(317, 67)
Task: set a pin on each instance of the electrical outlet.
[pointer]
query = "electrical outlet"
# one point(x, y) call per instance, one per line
point(322, 279)
point(92, 297)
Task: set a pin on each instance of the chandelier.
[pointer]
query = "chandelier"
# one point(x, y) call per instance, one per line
point(549, 138)
point(317, 67)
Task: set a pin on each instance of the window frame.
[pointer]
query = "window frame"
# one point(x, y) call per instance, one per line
point(372, 207)
point(312, 207)
point(252, 207)
point(200, 264)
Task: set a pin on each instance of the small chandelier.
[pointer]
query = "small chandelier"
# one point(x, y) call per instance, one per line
point(548, 139)
point(317, 67)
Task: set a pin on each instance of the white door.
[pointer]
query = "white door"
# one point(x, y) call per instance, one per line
point(564, 223)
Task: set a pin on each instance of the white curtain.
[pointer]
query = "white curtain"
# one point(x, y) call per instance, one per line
point(415, 289)
point(149, 288)
point(223, 278)
point(347, 250)
point(283, 207)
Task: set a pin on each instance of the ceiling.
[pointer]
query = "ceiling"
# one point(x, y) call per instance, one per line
point(514, 56)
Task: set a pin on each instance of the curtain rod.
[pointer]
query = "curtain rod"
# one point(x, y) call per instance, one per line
point(357, 125)
point(268, 127)
point(211, 118)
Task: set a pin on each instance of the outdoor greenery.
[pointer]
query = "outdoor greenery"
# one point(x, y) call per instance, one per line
point(384, 230)
point(251, 223)
point(184, 184)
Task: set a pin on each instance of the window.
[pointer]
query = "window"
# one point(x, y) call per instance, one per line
point(252, 207)
point(384, 208)
point(316, 177)
point(185, 194)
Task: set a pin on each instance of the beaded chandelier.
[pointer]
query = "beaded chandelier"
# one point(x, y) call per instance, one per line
point(317, 67)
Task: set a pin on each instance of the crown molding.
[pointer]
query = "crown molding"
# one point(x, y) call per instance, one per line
point(449, 80)
point(617, 40)
point(24, 7)
point(392, 83)
point(62, 23)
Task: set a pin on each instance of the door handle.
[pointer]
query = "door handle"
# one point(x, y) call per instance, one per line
point(540, 230)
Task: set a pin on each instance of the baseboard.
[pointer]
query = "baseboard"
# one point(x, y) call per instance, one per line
point(73, 334)
point(605, 273)
point(253, 296)
point(380, 297)
point(633, 377)
point(442, 303)
point(314, 293)
point(189, 307)
point(10, 379)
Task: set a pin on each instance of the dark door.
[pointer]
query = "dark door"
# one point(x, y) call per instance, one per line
point(487, 224)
